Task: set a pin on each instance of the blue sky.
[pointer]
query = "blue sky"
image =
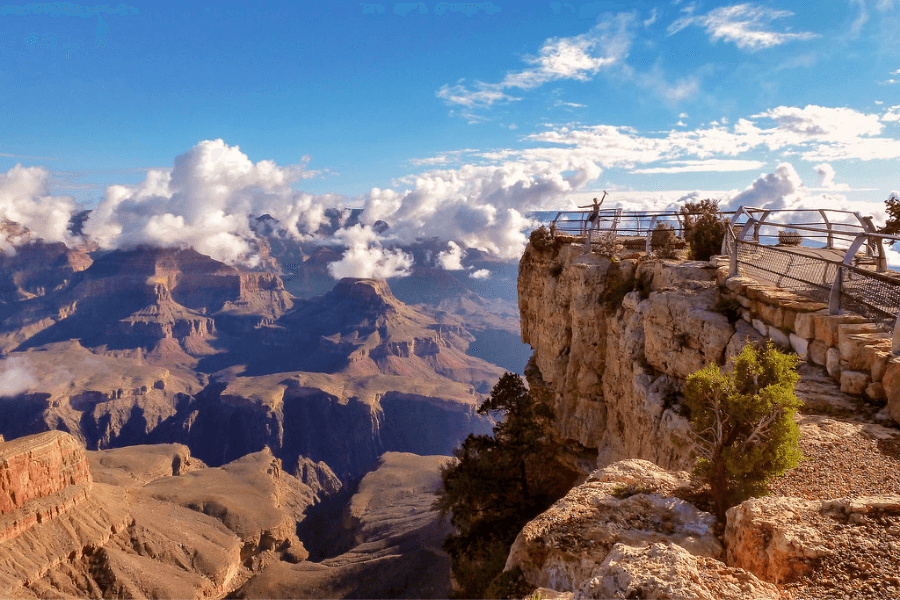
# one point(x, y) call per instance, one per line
point(483, 107)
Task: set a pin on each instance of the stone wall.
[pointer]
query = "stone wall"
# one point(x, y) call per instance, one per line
point(855, 351)
point(41, 476)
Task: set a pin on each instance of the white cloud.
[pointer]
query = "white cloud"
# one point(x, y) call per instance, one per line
point(569, 104)
point(892, 114)
point(774, 190)
point(746, 25)
point(784, 190)
point(25, 199)
point(451, 259)
point(486, 94)
point(826, 175)
point(704, 166)
point(833, 124)
point(16, 376)
point(817, 133)
point(206, 202)
point(861, 18)
point(579, 57)
point(366, 258)
point(480, 274)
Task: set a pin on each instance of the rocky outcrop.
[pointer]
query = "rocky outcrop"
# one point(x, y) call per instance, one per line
point(614, 342)
point(624, 533)
point(780, 539)
point(41, 476)
point(156, 523)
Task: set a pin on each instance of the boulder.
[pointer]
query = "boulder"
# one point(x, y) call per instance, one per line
point(669, 571)
point(627, 504)
point(773, 537)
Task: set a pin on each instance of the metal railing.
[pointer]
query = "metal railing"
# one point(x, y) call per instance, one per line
point(842, 262)
point(636, 225)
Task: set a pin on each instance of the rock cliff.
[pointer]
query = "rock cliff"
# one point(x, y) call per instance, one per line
point(41, 476)
point(614, 342)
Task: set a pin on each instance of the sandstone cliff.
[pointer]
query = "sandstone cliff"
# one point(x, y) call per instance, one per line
point(614, 342)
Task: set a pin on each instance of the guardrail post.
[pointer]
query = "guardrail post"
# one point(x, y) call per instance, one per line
point(830, 242)
point(834, 298)
point(650, 234)
point(732, 263)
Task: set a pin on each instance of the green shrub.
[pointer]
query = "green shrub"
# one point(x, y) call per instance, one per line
point(605, 244)
point(509, 584)
point(662, 241)
point(543, 239)
point(892, 225)
point(789, 237)
point(704, 228)
point(743, 423)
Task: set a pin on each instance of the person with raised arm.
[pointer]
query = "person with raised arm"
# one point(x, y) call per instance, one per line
point(595, 208)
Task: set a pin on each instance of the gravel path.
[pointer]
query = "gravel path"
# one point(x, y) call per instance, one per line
point(846, 458)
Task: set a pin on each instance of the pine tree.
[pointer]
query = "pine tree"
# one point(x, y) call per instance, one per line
point(500, 482)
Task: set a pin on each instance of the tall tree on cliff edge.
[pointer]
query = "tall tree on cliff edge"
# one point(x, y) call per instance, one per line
point(500, 482)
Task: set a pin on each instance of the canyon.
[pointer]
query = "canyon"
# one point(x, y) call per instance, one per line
point(182, 428)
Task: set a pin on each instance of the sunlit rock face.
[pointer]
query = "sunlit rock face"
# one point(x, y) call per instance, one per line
point(41, 476)
point(614, 342)
point(625, 533)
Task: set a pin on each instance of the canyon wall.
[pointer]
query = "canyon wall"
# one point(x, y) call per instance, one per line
point(41, 476)
point(614, 342)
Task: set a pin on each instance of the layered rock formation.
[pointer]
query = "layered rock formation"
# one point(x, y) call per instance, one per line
point(614, 341)
point(169, 346)
point(41, 476)
point(156, 522)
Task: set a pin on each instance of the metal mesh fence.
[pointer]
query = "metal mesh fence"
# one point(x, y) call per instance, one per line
point(864, 292)
point(875, 295)
point(803, 270)
point(803, 274)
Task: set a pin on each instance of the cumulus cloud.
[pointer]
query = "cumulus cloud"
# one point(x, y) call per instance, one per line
point(893, 113)
point(745, 25)
point(480, 274)
point(206, 202)
point(579, 57)
point(773, 190)
point(783, 189)
point(25, 199)
point(16, 376)
point(451, 259)
point(365, 257)
point(826, 175)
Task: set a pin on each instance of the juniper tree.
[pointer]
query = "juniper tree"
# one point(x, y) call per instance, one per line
point(744, 428)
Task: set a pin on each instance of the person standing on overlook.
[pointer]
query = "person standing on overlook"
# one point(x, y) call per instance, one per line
point(595, 212)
